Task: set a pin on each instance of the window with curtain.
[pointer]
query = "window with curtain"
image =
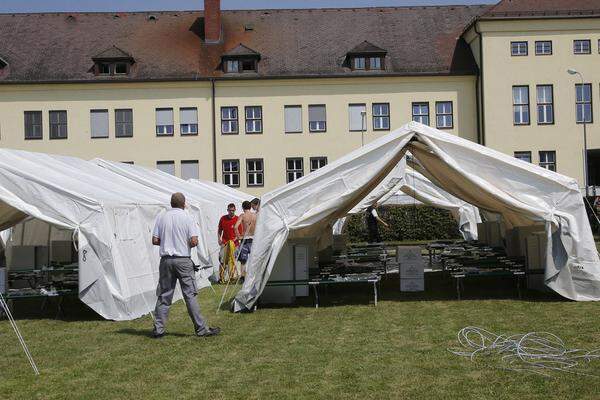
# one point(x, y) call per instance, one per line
point(317, 120)
point(357, 120)
point(292, 119)
point(188, 120)
point(164, 121)
point(99, 123)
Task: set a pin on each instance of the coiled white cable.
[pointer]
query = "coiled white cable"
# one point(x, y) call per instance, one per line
point(536, 352)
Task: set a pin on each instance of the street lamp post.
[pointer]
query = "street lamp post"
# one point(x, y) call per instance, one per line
point(585, 155)
point(363, 125)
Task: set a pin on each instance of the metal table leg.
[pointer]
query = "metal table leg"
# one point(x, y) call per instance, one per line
point(316, 295)
point(375, 291)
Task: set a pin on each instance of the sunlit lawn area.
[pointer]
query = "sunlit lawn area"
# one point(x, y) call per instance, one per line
point(347, 349)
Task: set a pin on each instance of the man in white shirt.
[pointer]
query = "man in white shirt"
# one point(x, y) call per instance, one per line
point(176, 234)
point(372, 223)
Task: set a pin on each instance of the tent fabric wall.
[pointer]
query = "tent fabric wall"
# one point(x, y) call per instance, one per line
point(524, 194)
point(112, 218)
point(210, 198)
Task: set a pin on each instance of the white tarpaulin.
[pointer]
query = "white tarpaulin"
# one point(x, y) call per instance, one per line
point(523, 193)
point(111, 218)
point(211, 198)
point(405, 186)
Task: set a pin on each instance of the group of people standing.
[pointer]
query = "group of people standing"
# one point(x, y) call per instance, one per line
point(177, 233)
point(235, 235)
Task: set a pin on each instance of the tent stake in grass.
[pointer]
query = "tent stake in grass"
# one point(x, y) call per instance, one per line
point(19, 336)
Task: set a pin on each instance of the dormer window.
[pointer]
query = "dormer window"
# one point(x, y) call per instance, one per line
point(112, 61)
point(366, 57)
point(240, 60)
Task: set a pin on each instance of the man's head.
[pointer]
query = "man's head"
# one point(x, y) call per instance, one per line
point(246, 205)
point(231, 210)
point(178, 200)
point(255, 203)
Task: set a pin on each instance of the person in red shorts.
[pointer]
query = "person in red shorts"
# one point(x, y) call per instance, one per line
point(228, 242)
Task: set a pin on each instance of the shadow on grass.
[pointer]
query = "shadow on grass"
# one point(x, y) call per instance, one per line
point(148, 333)
point(71, 310)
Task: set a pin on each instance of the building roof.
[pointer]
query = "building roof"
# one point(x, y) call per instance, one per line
point(367, 48)
point(511, 9)
point(112, 53)
point(59, 47)
point(241, 51)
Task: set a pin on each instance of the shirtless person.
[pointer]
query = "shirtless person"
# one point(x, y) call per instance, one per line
point(247, 220)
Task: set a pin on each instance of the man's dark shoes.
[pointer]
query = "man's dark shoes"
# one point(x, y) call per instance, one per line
point(210, 332)
point(156, 335)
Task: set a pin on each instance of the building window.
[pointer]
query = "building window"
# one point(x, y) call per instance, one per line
point(58, 124)
point(293, 119)
point(375, 63)
point(166, 166)
point(103, 69)
point(583, 102)
point(240, 65)
point(253, 119)
point(545, 106)
point(231, 172)
point(357, 114)
point(582, 46)
point(420, 113)
point(543, 48)
point(317, 118)
point(255, 172)
point(99, 123)
point(164, 122)
point(359, 63)
point(444, 118)
point(124, 122)
point(548, 160)
point(523, 156)
point(518, 48)
point(33, 125)
point(189, 169)
point(231, 66)
point(520, 105)
point(229, 120)
point(121, 68)
point(381, 116)
point(294, 169)
point(317, 162)
point(188, 121)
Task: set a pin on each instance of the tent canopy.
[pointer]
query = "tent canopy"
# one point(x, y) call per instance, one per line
point(522, 193)
point(111, 217)
point(405, 186)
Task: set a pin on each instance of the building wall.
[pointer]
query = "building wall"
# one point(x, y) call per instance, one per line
point(273, 145)
point(502, 71)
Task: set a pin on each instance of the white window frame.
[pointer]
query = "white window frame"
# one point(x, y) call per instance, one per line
point(544, 161)
point(229, 120)
point(520, 105)
point(165, 129)
point(545, 106)
point(541, 49)
point(321, 161)
point(523, 156)
point(381, 116)
point(519, 48)
point(254, 119)
point(229, 173)
point(297, 170)
point(579, 48)
point(188, 129)
point(581, 102)
point(359, 63)
point(255, 172)
point(420, 116)
point(317, 125)
point(444, 116)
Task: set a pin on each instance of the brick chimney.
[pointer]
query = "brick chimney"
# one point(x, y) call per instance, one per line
point(213, 30)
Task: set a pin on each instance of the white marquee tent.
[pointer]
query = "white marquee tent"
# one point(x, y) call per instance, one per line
point(211, 198)
point(522, 193)
point(111, 219)
point(405, 186)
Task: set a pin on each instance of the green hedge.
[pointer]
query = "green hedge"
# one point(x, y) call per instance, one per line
point(406, 223)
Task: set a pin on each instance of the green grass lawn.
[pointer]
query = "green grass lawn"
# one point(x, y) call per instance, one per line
point(347, 349)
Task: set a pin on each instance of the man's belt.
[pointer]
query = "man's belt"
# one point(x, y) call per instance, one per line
point(170, 257)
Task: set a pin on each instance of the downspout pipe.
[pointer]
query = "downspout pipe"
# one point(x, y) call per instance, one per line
point(214, 129)
point(480, 82)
